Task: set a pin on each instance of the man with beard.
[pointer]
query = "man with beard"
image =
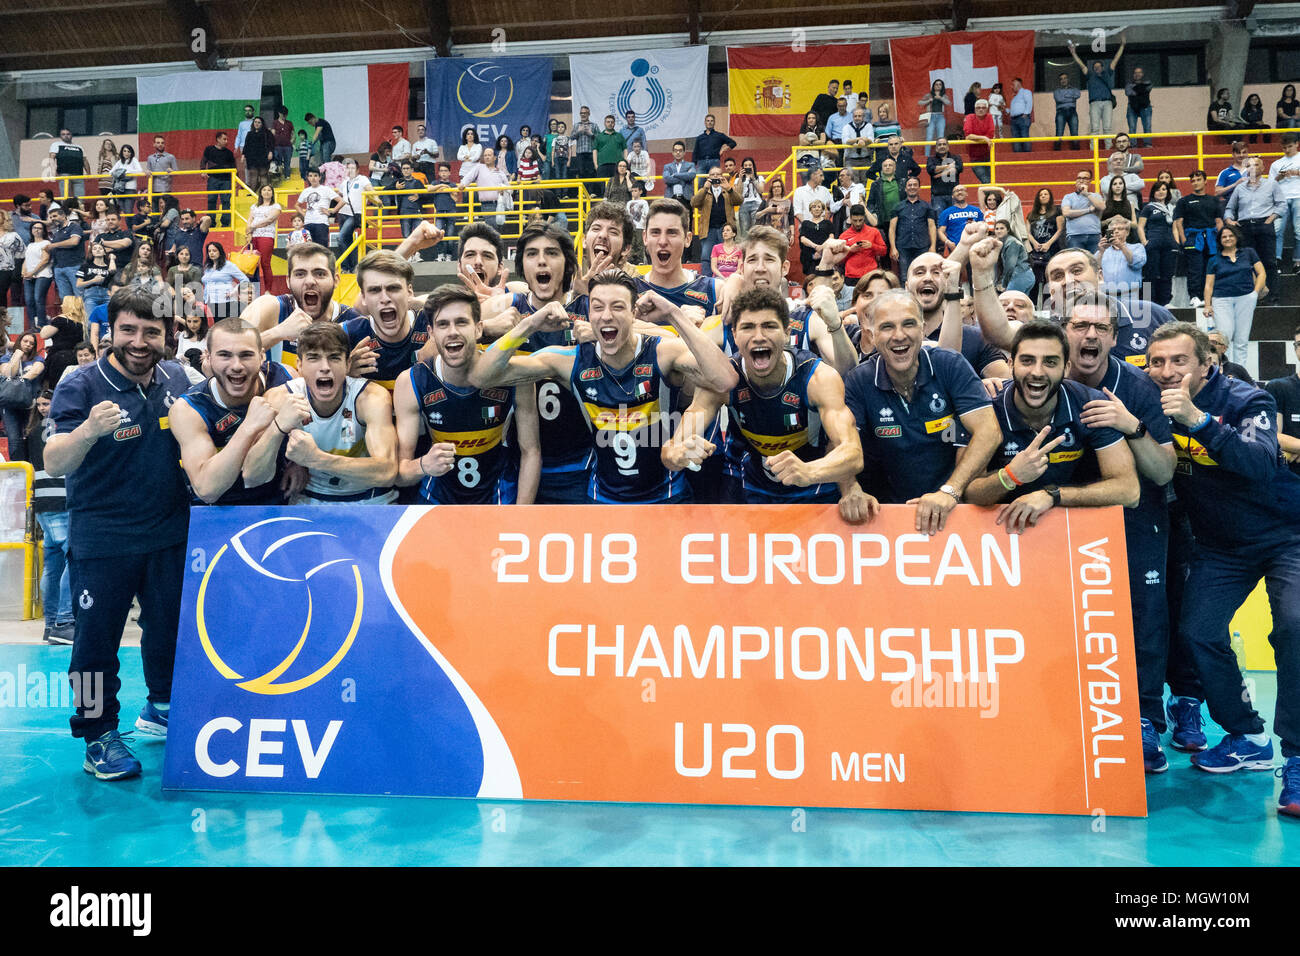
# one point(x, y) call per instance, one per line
point(626, 382)
point(796, 440)
point(1242, 503)
point(231, 439)
point(386, 340)
point(926, 426)
point(928, 281)
point(343, 429)
point(485, 440)
point(281, 318)
point(1040, 411)
point(109, 433)
point(1131, 406)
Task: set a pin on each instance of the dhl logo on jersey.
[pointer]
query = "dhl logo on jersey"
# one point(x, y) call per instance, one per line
point(624, 418)
point(1189, 449)
point(1140, 360)
point(938, 425)
point(471, 443)
point(1057, 457)
point(768, 445)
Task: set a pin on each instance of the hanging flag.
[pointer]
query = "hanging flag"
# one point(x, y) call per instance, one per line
point(773, 88)
point(667, 89)
point(189, 109)
point(361, 103)
point(494, 95)
point(959, 59)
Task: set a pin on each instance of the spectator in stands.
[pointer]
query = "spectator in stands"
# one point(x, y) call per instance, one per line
point(184, 274)
point(1132, 162)
point(488, 178)
point(529, 170)
point(1253, 207)
point(1155, 227)
point(989, 199)
point(717, 203)
point(401, 145)
point(107, 156)
point(814, 233)
point(143, 269)
point(322, 139)
point(725, 258)
point(640, 163)
point(525, 137)
point(885, 196)
point(305, 160)
point(953, 220)
point(297, 231)
point(972, 97)
point(1221, 115)
point(709, 145)
point(777, 211)
point(186, 232)
point(317, 203)
point(94, 275)
point(679, 175)
point(609, 147)
point(559, 151)
point(221, 280)
point(904, 163)
point(218, 157)
point(1219, 346)
point(1121, 261)
point(1132, 181)
point(160, 164)
point(23, 363)
point(619, 186)
point(23, 217)
point(805, 194)
point(1285, 171)
point(507, 158)
point(49, 504)
point(1252, 115)
point(470, 151)
point(122, 175)
point(864, 246)
point(425, 152)
point(259, 151)
point(844, 194)
point(945, 169)
point(1082, 211)
point(980, 130)
point(262, 220)
point(66, 246)
point(838, 120)
point(582, 158)
point(824, 103)
point(1288, 108)
point(936, 102)
point(1046, 224)
point(70, 160)
point(632, 133)
point(410, 206)
point(1233, 283)
point(1021, 113)
point(1227, 180)
point(1117, 201)
point(12, 246)
point(858, 135)
point(38, 274)
point(446, 197)
point(1066, 96)
point(1014, 271)
point(1197, 219)
point(997, 106)
point(1138, 91)
point(377, 169)
point(1101, 85)
point(751, 193)
point(886, 125)
point(811, 133)
point(282, 135)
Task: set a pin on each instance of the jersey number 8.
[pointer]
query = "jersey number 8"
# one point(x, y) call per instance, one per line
point(467, 472)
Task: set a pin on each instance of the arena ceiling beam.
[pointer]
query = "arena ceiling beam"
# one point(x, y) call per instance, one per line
point(196, 32)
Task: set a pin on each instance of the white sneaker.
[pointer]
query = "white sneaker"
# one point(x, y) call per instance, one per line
point(1196, 303)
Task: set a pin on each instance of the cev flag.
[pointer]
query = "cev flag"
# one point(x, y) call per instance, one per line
point(773, 87)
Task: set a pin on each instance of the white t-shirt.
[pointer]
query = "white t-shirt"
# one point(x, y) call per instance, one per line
point(267, 231)
point(184, 343)
point(401, 149)
point(354, 192)
point(33, 256)
point(1288, 188)
point(318, 200)
point(425, 150)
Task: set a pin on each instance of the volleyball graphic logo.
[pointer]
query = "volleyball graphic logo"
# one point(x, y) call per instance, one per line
point(643, 94)
point(301, 583)
point(484, 89)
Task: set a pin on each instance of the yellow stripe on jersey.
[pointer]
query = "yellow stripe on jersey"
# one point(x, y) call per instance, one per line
point(358, 450)
point(1189, 448)
point(1139, 360)
point(768, 445)
point(938, 425)
point(165, 422)
point(289, 359)
point(623, 418)
point(1056, 457)
point(471, 443)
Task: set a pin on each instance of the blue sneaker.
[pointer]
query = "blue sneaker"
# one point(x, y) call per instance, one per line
point(109, 758)
point(1235, 752)
point(1288, 801)
point(1153, 758)
point(1185, 718)
point(151, 721)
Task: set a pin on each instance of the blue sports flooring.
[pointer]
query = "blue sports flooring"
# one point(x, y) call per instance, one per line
point(53, 814)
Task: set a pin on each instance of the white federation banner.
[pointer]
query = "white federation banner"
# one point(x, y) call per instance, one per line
point(667, 89)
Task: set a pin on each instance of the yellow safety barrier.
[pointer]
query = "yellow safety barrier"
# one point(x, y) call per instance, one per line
point(31, 593)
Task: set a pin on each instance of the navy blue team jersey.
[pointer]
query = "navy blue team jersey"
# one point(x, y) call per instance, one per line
point(289, 349)
point(701, 291)
point(394, 357)
point(800, 320)
point(477, 421)
point(222, 420)
point(628, 410)
point(763, 425)
point(1067, 459)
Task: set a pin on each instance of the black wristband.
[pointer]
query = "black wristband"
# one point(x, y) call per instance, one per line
point(952, 297)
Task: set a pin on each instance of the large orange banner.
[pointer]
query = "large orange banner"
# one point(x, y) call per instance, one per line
point(679, 654)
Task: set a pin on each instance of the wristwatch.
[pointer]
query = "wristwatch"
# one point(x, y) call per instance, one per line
point(953, 492)
point(1141, 430)
point(1055, 492)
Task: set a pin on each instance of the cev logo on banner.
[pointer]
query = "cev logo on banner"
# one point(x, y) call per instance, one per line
point(485, 78)
point(266, 683)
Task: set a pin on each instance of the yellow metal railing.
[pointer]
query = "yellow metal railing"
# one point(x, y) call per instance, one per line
point(31, 593)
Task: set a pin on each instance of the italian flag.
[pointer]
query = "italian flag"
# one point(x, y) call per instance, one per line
point(361, 103)
point(189, 109)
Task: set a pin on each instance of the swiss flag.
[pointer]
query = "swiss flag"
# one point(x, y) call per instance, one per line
point(959, 59)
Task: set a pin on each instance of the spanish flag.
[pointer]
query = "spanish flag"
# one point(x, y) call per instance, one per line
point(773, 87)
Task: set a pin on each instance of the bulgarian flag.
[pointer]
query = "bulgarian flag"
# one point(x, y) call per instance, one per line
point(189, 109)
point(361, 103)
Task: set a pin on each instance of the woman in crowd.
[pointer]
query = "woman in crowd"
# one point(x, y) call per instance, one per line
point(51, 514)
point(619, 187)
point(1156, 233)
point(470, 149)
point(194, 331)
point(1046, 226)
point(262, 219)
point(23, 362)
point(12, 248)
point(95, 275)
point(382, 158)
point(37, 274)
point(507, 158)
point(1233, 281)
point(975, 92)
point(935, 102)
point(64, 333)
point(814, 232)
point(221, 281)
point(124, 173)
point(104, 165)
point(259, 150)
point(1117, 203)
point(1252, 115)
point(886, 126)
point(99, 216)
point(143, 269)
point(811, 133)
point(1288, 115)
point(183, 275)
point(1166, 176)
point(726, 254)
point(1015, 271)
point(990, 199)
point(751, 195)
